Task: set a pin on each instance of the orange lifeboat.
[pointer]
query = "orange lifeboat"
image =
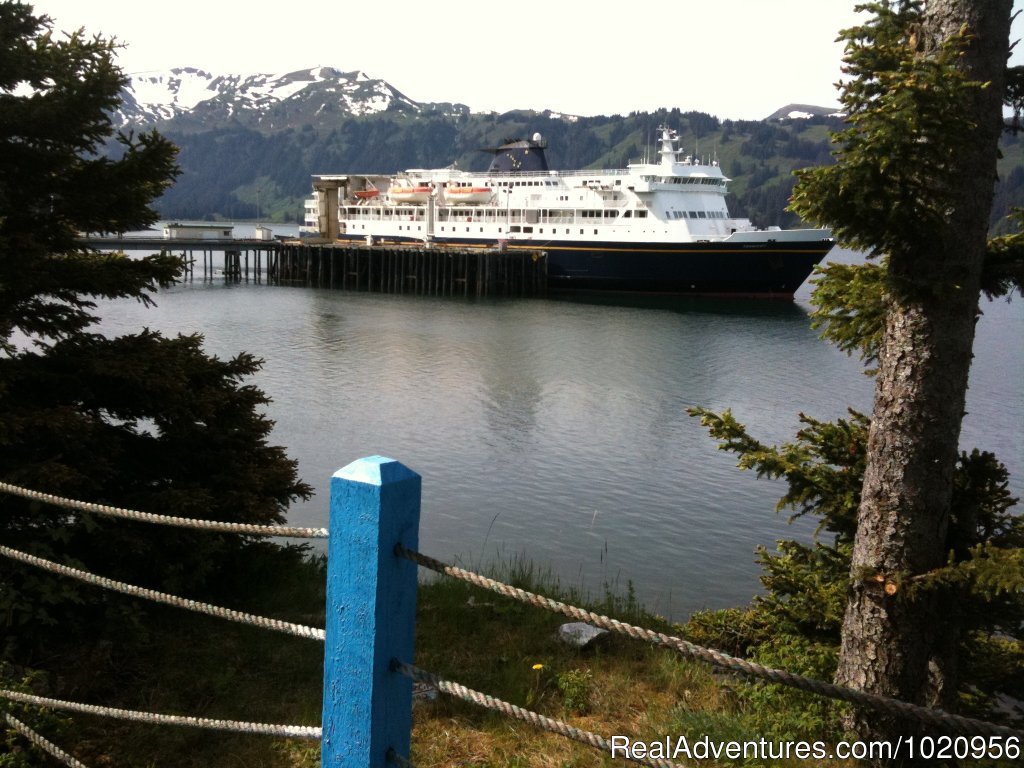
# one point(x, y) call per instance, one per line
point(367, 194)
point(408, 194)
point(460, 195)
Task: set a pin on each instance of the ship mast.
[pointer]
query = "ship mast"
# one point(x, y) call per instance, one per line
point(669, 153)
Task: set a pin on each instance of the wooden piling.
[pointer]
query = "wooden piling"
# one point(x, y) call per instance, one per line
point(436, 271)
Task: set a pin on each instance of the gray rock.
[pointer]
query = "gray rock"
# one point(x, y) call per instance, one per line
point(579, 634)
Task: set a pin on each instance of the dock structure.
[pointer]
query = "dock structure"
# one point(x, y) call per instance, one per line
point(409, 269)
point(244, 258)
point(437, 271)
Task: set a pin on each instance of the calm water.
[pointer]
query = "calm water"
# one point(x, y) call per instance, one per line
point(557, 430)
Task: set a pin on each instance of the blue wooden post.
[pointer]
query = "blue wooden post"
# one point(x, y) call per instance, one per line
point(371, 613)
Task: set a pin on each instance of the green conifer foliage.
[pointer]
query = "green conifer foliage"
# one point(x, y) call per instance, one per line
point(141, 421)
point(56, 95)
point(920, 533)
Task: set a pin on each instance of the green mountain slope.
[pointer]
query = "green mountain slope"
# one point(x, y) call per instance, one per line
point(236, 171)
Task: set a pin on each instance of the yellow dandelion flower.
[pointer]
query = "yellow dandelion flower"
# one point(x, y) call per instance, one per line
point(538, 666)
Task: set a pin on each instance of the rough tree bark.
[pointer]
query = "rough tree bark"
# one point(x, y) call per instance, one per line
point(894, 642)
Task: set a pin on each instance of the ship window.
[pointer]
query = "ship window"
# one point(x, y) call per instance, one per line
point(595, 231)
point(627, 215)
point(701, 215)
point(515, 228)
point(641, 214)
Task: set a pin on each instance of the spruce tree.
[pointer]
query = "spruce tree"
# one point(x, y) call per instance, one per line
point(141, 421)
point(914, 180)
point(923, 536)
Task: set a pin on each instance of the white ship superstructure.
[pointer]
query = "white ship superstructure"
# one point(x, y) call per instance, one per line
point(659, 227)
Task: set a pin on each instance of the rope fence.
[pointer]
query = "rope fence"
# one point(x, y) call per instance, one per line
point(519, 713)
point(44, 744)
point(236, 726)
point(935, 717)
point(275, 625)
point(179, 522)
point(349, 695)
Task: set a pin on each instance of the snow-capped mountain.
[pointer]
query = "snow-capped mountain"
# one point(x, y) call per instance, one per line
point(803, 111)
point(201, 98)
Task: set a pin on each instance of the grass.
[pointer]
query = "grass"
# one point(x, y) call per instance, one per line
point(190, 664)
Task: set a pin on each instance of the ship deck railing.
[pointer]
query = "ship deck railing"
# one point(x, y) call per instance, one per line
point(447, 174)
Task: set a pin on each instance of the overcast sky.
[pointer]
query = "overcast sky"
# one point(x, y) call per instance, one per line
point(739, 59)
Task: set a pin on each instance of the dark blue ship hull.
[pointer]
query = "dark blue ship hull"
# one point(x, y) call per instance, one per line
point(754, 269)
point(758, 269)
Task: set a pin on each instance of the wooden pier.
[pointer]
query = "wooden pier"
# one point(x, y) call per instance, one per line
point(437, 271)
point(242, 257)
point(417, 270)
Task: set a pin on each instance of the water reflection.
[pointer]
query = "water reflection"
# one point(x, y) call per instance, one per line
point(683, 304)
point(558, 429)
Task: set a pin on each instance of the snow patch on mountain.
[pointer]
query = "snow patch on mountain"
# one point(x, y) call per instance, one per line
point(179, 89)
point(802, 112)
point(152, 97)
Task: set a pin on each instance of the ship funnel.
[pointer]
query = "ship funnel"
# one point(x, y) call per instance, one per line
point(519, 156)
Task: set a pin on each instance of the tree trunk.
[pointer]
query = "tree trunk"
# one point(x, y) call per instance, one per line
point(894, 643)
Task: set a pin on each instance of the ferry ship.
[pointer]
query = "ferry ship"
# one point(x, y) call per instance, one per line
point(654, 227)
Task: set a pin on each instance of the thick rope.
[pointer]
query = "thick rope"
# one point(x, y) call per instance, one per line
point(299, 630)
point(934, 717)
point(180, 522)
point(47, 746)
point(267, 729)
point(511, 710)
